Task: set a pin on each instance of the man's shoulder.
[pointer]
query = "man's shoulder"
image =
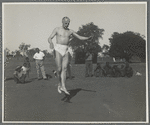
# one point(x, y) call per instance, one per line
point(15, 72)
point(42, 53)
point(72, 31)
point(58, 28)
point(35, 54)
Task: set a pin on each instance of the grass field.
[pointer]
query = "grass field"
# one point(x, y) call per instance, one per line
point(92, 99)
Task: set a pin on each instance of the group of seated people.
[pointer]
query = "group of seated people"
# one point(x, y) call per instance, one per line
point(124, 70)
point(107, 70)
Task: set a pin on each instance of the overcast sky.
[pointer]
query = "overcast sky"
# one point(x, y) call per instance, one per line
point(32, 23)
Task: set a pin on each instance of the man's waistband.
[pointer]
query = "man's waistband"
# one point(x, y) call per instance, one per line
point(39, 59)
point(61, 45)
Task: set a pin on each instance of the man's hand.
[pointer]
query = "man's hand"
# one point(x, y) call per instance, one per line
point(52, 52)
point(51, 45)
point(91, 37)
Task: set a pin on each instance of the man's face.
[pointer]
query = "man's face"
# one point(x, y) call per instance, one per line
point(19, 70)
point(65, 22)
point(37, 50)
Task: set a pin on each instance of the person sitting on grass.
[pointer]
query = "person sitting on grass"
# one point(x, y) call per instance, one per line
point(122, 71)
point(25, 69)
point(116, 71)
point(128, 70)
point(98, 70)
point(19, 75)
point(27, 61)
point(108, 70)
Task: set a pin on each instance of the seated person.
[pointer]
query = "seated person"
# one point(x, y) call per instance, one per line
point(108, 70)
point(128, 70)
point(98, 70)
point(19, 75)
point(122, 71)
point(25, 69)
point(118, 71)
point(27, 61)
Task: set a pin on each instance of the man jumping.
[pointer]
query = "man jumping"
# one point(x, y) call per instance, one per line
point(60, 50)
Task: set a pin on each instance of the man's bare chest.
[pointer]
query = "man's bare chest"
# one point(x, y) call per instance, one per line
point(64, 33)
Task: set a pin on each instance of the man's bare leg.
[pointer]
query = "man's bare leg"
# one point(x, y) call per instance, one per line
point(69, 67)
point(65, 61)
point(69, 71)
point(58, 60)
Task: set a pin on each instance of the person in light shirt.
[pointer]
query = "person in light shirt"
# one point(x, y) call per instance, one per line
point(19, 75)
point(39, 59)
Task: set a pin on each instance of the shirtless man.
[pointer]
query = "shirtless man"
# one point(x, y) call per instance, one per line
point(60, 50)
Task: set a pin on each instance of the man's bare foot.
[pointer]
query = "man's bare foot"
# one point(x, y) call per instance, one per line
point(64, 90)
point(59, 89)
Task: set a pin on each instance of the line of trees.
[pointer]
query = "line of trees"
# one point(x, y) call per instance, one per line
point(24, 51)
point(126, 45)
point(122, 45)
point(87, 30)
point(81, 47)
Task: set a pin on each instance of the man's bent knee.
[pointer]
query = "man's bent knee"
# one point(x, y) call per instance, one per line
point(59, 70)
point(64, 69)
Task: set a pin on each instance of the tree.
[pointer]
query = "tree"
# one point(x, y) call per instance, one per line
point(126, 45)
point(31, 53)
point(18, 55)
point(105, 47)
point(24, 48)
point(13, 53)
point(81, 47)
point(7, 51)
point(87, 30)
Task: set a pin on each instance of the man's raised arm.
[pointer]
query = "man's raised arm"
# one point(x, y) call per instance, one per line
point(80, 37)
point(51, 37)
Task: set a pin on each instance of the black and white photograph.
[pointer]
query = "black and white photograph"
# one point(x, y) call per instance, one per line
point(75, 62)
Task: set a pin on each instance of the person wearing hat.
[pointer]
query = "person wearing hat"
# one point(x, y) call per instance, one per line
point(39, 57)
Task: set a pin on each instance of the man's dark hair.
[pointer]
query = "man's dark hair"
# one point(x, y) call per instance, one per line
point(25, 64)
point(27, 58)
point(18, 68)
point(65, 18)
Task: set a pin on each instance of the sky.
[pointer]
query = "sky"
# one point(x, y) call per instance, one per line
point(32, 23)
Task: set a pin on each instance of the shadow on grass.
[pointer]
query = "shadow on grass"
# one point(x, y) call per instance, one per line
point(48, 76)
point(72, 77)
point(73, 92)
point(26, 82)
point(32, 79)
point(11, 78)
point(7, 79)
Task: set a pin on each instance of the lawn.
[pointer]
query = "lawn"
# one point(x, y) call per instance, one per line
point(91, 99)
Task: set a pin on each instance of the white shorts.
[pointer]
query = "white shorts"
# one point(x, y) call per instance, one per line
point(62, 49)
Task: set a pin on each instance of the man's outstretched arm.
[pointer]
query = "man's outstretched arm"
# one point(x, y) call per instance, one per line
point(80, 37)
